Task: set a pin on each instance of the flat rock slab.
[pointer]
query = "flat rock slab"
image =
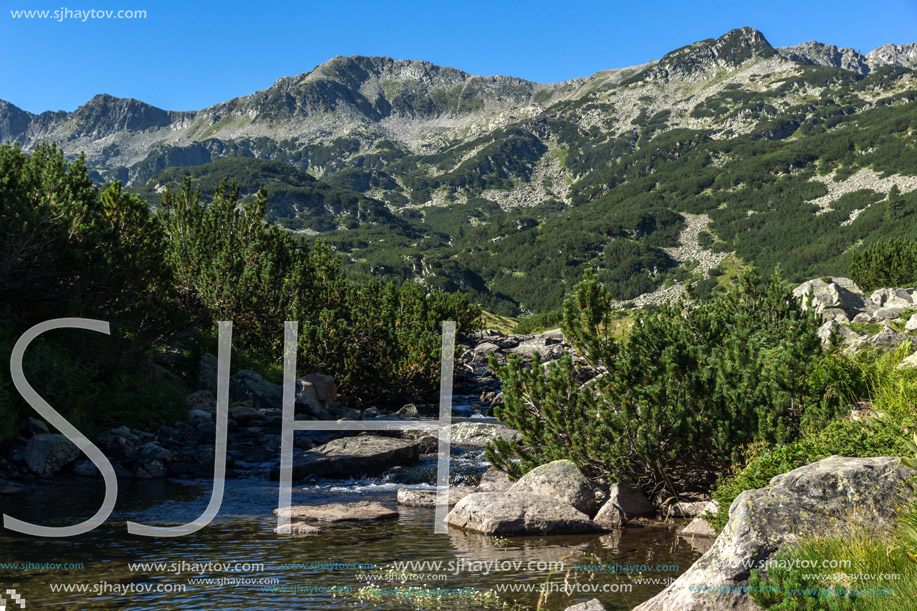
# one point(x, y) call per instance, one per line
point(361, 456)
point(363, 511)
point(298, 529)
point(592, 605)
point(504, 513)
point(427, 498)
point(477, 434)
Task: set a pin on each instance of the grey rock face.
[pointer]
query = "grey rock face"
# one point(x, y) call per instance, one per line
point(889, 338)
point(820, 498)
point(505, 513)
point(901, 298)
point(47, 454)
point(894, 55)
point(560, 480)
point(365, 455)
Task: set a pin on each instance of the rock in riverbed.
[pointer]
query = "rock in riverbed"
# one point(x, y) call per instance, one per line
point(298, 529)
point(505, 513)
point(427, 498)
point(361, 456)
point(561, 480)
point(48, 454)
point(362, 511)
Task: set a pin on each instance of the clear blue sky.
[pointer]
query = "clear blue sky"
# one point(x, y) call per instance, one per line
point(188, 55)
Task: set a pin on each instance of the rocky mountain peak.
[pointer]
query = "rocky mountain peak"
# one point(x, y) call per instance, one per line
point(698, 61)
point(814, 53)
point(106, 114)
point(894, 55)
point(13, 122)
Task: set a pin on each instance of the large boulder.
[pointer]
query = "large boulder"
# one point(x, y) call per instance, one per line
point(901, 298)
point(610, 517)
point(561, 480)
point(245, 415)
point(506, 513)
point(889, 339)
point(152, 460)
point(699, 526)
point(911, 324)
point(828, 496)
point(316, 394)
point(477, 434)
point(361, 456)
point(908, 363)
point(846, 335)
point(832, 293)
point(247, 385)
point(47, 454)
point(549, 345)
point(629, 500)
point(361, 511)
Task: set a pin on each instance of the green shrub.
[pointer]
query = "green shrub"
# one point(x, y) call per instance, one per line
point(536, 323)
point(841, 438)
point(884, 264)
point(684, 389)
point(379, 340)
point(890, 391)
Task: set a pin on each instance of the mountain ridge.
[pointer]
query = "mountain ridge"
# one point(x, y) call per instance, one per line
point(509, 189)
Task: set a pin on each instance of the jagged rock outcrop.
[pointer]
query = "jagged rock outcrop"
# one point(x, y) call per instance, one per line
point(819, 54)
point(894, 55)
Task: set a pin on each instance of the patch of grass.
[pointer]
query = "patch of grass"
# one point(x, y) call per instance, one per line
point(503, 324)
point(865, 328)
point(877, 573)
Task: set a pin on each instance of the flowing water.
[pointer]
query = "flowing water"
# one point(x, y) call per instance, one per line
point(328, 571)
